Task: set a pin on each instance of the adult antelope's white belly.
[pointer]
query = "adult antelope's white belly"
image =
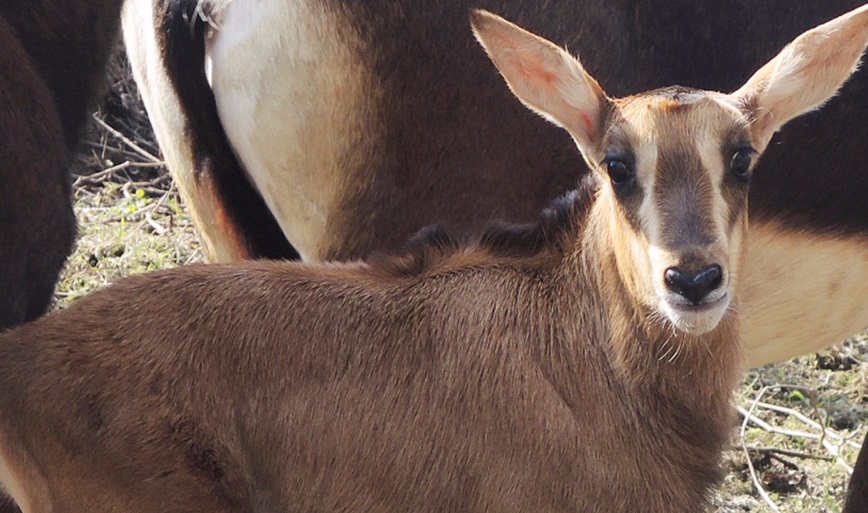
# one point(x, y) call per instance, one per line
point(291, 87)
point(802, 292)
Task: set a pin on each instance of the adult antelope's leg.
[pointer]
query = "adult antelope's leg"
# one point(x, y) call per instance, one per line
point(36, 219)
point(857, 491)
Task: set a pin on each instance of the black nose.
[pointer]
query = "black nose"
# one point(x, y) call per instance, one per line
point(694, 287)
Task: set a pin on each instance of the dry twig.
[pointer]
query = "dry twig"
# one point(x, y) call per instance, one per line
point(831, 441)
point(126, 140)
point(756, 482)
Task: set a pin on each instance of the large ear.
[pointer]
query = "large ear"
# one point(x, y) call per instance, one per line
point(806, 73)
point(544, 77)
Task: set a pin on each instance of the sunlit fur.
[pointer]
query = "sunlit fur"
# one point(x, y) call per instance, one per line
point(678, 138)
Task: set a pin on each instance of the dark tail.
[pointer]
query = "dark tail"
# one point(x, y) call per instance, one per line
point(182, 28)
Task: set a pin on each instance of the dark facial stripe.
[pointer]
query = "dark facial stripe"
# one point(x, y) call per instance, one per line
point(683, 193)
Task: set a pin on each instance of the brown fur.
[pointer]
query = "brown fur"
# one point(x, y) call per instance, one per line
point(433, 245)
point(52, 64)
point(464, 388)
point(523, 372)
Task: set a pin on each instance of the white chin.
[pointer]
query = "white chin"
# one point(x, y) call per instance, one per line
point(695, 319)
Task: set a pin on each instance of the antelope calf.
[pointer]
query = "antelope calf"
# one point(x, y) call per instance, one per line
point(584, 363)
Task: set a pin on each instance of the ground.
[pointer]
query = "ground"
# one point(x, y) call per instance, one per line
point(811, 413)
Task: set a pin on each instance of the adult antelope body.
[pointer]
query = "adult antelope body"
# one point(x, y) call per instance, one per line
point(357, 123)
point(584, 363)
point(52, 63)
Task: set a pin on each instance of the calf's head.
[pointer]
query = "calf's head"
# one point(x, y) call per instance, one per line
point(675, 164)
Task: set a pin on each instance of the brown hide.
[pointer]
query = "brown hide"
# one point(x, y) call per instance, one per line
point(488, 379)
point(52, 65)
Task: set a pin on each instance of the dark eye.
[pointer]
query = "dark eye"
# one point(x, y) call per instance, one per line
point(740, 163)
point(619, 172)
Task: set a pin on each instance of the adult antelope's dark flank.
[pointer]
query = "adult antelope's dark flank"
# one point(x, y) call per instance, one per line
point(401, 124)
point(51, 67)
point(584, 363)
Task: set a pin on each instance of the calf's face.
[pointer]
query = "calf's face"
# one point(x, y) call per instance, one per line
point(675, 163)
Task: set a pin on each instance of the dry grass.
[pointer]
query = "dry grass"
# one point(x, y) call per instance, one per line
point(132, 220)
point(129, 212)
point(810, 421)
